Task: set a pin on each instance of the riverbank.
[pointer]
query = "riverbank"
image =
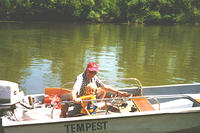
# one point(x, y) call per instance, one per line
point(94, 11)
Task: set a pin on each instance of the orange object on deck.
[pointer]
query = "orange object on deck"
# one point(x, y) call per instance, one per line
point(198, 100)
point(143, 104)
point(53, 100)
point(57, 91)
point(53, 96)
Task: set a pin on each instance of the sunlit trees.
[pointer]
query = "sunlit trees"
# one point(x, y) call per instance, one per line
point(134, 11)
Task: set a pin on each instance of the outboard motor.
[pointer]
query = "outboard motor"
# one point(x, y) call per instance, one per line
point(9, 96)
point(9, 92)
point(1, 127)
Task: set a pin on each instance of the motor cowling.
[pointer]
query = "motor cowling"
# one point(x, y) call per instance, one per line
point(9, 96)
point(9, 92)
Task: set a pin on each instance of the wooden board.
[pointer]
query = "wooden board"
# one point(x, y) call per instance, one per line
point(143, 104)
point(198, 100)
point(57, 91)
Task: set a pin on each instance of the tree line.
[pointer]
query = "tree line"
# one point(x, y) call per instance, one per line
point(115, 11)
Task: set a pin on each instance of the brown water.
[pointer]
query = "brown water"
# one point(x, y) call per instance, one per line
point(40, 55)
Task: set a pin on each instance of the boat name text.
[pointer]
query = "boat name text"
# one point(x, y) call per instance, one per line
point(87, 126)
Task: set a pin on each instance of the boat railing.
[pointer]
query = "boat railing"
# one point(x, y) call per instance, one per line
point(120, 100)
point(136, 97)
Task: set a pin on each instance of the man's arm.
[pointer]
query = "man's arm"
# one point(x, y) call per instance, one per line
point(76, 88)
point(108, 88)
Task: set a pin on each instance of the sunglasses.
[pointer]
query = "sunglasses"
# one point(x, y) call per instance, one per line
point(93, 72)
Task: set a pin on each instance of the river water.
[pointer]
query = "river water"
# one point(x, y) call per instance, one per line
point(40, 55)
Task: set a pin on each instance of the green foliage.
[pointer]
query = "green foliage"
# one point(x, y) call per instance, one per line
point(153, 17)
point(136, 11)
point(5, 5)
point(94, 16)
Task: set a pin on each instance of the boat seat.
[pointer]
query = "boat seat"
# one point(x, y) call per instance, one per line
point(143, 104)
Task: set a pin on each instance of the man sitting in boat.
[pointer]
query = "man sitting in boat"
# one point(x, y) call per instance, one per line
point(87, 77)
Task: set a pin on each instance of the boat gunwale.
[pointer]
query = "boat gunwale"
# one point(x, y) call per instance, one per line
point(160, 86)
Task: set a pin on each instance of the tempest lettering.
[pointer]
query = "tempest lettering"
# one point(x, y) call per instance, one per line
point(88, 126)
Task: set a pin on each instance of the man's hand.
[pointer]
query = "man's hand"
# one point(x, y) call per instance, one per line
point(123, 94)
point(77, 100)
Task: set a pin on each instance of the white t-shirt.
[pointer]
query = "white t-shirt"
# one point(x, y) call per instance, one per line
point(82, 81)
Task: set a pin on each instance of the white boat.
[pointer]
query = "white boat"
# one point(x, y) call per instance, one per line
point(156, 109)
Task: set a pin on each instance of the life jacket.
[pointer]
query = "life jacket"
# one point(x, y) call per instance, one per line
point(92, 105)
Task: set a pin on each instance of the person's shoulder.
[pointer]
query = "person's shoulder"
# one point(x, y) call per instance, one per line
point(99, 81)
point(96, 77)
point(80, 76)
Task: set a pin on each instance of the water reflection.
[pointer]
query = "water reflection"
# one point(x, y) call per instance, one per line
point(48, 55)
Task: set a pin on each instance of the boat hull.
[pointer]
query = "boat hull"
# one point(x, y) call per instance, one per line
point(148, 122)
